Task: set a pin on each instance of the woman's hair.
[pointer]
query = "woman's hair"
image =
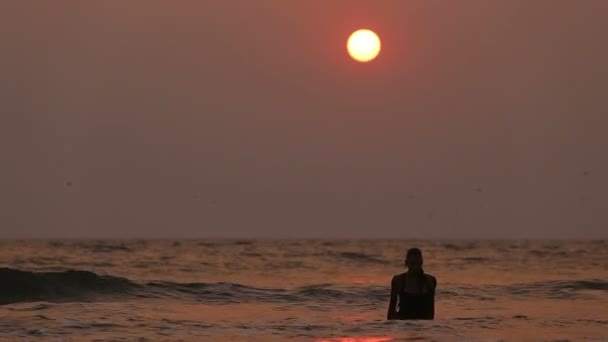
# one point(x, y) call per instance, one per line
point(413, 252)
point(416, 252)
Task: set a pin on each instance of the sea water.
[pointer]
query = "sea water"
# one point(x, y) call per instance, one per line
point(298, 290)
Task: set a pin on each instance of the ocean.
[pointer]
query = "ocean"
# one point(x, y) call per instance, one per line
point(298, 290)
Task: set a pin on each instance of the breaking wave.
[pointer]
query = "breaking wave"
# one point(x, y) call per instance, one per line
point(24, 286)
point(21, 286)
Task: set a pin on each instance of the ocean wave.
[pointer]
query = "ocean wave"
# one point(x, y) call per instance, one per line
point(474, 260)
point(557, 289)
point(357, 257)
point(24, 286)
point(460, 246)
point(551, 253)
point(106, 247)
point(21, 286)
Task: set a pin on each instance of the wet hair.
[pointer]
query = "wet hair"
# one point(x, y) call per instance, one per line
point(416, 252)
point(413, 252)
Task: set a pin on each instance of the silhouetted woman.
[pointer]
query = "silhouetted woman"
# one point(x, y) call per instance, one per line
point(412, 292)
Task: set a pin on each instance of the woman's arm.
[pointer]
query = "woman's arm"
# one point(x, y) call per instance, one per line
point(430, 309)
point(392, 313)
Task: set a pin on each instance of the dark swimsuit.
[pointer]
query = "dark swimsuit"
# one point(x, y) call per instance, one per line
point(417, 305)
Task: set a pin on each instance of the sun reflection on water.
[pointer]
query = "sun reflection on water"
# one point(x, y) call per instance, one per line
point(355, 339)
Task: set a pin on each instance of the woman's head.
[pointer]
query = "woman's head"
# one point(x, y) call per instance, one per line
point(413, 259)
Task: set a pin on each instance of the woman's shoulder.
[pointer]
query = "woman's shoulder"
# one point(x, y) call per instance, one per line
point(397, 278)
point(431, 279)
point(400, 275)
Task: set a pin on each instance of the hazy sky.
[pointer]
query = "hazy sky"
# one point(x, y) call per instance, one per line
point(226, 118)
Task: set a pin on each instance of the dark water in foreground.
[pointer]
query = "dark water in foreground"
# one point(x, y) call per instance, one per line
point(298, 290)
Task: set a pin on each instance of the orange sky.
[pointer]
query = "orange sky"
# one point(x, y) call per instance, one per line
point(235, 118)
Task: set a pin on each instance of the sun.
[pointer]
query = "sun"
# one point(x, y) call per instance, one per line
point(363, 45)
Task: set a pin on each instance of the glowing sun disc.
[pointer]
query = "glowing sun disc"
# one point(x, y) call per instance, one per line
point(363, 45)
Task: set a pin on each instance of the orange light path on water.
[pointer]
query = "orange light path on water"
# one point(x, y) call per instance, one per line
point(355, 339)
point(369, 281)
